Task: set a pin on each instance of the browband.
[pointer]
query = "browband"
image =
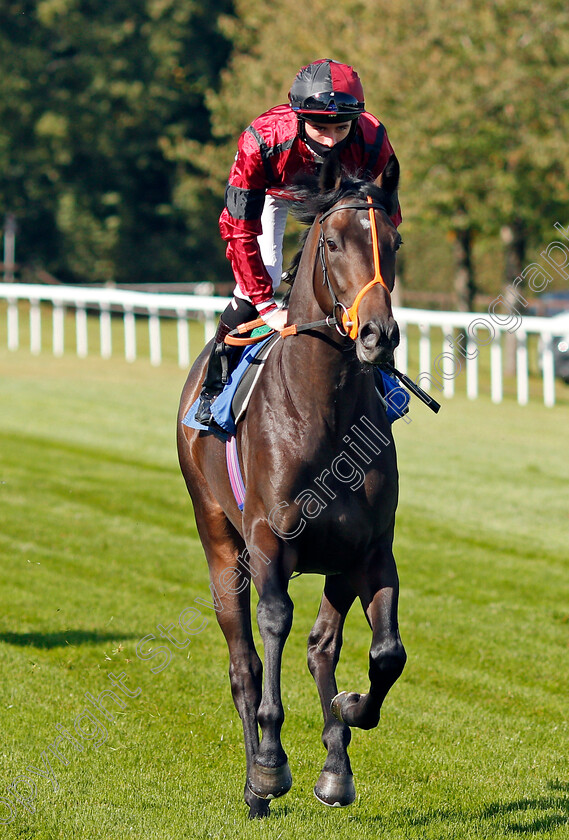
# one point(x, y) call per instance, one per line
point(353, 207)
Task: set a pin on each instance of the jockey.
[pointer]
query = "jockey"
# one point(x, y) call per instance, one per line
point(326, 109)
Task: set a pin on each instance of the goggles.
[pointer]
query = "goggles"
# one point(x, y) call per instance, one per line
point(330, 102)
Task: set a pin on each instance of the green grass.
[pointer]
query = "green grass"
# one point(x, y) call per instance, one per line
point(99, 546)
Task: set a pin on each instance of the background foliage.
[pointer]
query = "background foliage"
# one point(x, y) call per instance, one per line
point(118, 125)
point(93, 97)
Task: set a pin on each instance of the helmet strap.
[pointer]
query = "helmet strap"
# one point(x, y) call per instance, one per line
point(352, 132)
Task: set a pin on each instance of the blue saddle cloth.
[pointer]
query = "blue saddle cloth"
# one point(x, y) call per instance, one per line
point(221, 407)
point(395, 397)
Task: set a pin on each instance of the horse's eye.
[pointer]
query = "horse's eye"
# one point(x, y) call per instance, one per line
point(399, 244)
point(331, 245)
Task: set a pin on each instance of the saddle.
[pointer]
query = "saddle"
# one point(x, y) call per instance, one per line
point(230, 406)
point(228, 409)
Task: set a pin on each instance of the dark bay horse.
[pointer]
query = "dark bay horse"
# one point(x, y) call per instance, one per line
point(320, 471)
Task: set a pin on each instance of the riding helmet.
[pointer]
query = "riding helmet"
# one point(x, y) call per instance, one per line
point(327, 91)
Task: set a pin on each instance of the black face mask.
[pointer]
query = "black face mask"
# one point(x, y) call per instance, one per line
point(319, 149)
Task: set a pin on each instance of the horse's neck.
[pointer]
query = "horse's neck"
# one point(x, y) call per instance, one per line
point(303, 306)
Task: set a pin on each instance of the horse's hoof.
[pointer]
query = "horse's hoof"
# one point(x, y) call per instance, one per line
point(258, 808)
point(355, 709)
point(335, 790)
point(338, 702)
point(269, 782)
point(335, 706)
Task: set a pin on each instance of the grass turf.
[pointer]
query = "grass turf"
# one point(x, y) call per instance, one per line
point(99, 547)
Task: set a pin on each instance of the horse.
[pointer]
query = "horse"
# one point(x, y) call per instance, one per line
point(319, 465)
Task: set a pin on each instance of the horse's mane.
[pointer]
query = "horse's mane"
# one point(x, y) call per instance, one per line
point(309, 201)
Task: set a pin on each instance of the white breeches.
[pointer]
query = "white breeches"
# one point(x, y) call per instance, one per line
point(273, 222)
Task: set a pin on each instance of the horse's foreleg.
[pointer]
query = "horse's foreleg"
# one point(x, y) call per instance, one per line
point(245, 674)
point(222, 544)
point(270, 775)
point(378, 591)
point(335, 785)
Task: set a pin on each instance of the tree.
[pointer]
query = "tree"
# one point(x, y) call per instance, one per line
point(484, 83)
point(473, 95)
point(94, 99)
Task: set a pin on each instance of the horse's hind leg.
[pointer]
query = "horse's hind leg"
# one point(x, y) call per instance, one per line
point(378, 588)
point(336, 784)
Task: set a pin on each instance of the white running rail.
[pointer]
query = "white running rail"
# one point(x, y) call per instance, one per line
point(440, 368)
point(129, 304)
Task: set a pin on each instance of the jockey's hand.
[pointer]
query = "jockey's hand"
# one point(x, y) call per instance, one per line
point(275, 319)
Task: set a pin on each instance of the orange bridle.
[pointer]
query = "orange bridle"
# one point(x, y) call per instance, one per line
point(350, 319)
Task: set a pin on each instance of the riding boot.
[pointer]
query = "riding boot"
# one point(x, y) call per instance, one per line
point(216, 375)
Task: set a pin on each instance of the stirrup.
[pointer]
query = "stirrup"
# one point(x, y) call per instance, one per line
point(203, 413)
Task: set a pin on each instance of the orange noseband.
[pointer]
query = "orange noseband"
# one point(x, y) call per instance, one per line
point(350, 319)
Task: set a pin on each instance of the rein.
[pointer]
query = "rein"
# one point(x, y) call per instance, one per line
point(348, 324)
point(233, 341)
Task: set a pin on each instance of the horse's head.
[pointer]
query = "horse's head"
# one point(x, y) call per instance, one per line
point(357, 247)
point(354, 272)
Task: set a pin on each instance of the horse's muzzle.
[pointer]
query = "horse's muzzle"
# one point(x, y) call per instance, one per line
point(377, 341)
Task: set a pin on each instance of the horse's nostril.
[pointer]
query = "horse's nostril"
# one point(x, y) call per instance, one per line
point(394, 336)
point(378, 339)
point(369, 335)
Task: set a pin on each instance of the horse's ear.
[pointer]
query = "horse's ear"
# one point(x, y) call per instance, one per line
point(389, 178)
point(331, 173)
